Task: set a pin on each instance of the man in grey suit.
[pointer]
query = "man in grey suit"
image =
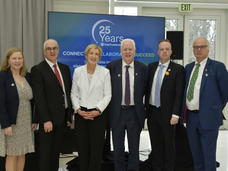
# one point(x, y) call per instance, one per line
point(126, 109)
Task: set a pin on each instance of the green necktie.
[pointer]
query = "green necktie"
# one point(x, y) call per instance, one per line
point(193, 82)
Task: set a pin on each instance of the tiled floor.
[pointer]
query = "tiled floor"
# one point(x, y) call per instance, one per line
point(222, 150)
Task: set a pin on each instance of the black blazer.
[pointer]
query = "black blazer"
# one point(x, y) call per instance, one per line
point(9, 99)
point(140, 72)
point(171, 90)
point(49, 95)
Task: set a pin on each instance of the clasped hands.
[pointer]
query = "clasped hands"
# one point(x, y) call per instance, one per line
point(89, 115)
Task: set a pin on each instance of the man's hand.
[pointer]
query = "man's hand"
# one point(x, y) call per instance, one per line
point(174, 121)
point(48, 127)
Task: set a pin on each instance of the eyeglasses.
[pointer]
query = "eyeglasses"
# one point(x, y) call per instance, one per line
point(51, 49)
point(200, 47)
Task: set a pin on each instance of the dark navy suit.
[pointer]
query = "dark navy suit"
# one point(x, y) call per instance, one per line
point(130, 118)
point(203, 125)
point(9, 99)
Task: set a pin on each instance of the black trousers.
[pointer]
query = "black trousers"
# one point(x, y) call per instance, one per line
point(90, 139)
point(49, 147)
point(2, 163)
point(162, 137)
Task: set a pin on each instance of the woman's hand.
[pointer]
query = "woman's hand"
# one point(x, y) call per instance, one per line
point(8, 131)
point(88, 115)
point(93, 114)
point(82, 113)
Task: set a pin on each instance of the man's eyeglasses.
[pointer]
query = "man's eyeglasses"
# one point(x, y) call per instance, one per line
point(200, 47)
point(51, 49)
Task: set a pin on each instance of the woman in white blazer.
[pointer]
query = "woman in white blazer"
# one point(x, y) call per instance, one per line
point(91, 94)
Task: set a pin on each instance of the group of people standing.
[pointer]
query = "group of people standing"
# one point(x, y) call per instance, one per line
point(123, 94)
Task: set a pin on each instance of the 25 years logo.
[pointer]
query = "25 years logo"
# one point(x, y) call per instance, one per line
point(103, 34)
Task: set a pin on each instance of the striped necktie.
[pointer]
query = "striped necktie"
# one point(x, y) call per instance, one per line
point(192, 83)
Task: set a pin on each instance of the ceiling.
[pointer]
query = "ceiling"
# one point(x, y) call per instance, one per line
point(187, 1)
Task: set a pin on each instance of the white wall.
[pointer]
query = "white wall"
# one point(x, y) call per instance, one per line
point(92, 6)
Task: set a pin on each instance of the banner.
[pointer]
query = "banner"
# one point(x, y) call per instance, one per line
point(74, 31)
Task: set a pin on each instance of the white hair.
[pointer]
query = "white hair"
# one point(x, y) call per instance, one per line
point(50, 40)
point(203, 38)
point(128, 40)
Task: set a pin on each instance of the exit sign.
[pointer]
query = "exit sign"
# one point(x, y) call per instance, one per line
point(185, 7)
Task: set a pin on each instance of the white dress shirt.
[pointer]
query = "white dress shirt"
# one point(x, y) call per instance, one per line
point(91, 91)
point(194, 103)
point(152, 97)
point(52, 67)
point(131, 77)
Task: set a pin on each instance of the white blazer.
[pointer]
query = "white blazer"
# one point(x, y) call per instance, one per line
point(97, 94)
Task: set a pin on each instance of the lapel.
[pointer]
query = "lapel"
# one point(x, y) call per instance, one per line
point(52, 74)
point(153, 70)
point(118, 72)
point(94, 78)
point(10, 80)
point(188, 73)
point(168, 70)
point(205, 74)
point(61, 68)
point(136, 73)
point(84, 78)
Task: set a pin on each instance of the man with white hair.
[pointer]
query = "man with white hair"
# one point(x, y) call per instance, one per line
point(126, 109)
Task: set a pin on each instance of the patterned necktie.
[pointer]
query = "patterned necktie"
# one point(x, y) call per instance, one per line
point(127, 97)
point(193, 82)
point(157, 100)
point(57, 75)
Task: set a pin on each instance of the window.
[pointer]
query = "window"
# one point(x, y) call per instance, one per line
point(126, 11)
point(202, 28)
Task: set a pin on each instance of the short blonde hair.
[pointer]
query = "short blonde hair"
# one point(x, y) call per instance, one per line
point(5, 64)
point(91, 46)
